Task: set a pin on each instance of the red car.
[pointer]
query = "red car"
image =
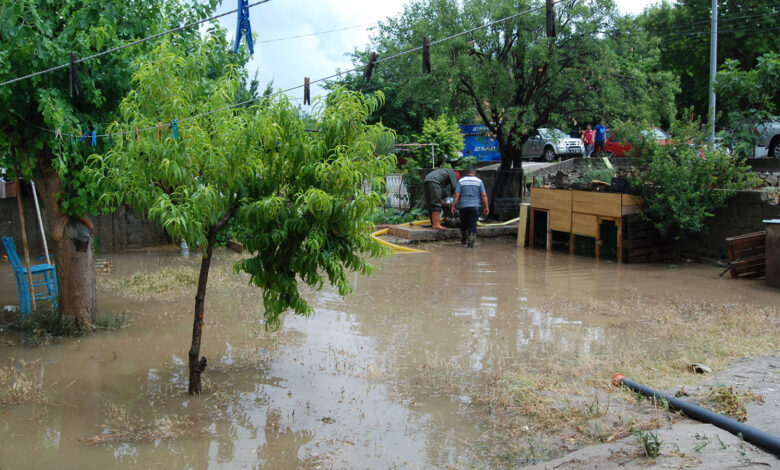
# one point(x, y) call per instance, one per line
point(617, 148)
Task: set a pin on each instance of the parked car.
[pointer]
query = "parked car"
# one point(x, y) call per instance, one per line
point(548, 144)
point(617, 147)
point(767, 135)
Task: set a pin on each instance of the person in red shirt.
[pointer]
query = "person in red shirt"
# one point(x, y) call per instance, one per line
point(587, 139)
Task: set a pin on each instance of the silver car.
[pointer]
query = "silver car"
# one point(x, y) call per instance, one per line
point(548, 144)
point(768, 138)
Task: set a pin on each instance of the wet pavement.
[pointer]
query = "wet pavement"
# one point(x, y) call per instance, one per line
point(382, 379)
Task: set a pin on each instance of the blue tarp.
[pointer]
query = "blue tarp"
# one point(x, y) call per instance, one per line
point(478, 143)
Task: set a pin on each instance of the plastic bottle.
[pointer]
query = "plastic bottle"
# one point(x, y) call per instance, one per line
point(185, 250)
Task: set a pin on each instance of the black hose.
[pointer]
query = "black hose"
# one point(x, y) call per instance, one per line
point(764, 440)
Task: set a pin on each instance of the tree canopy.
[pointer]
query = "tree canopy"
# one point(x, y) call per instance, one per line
point(510, 75)
point(747, 29)
point(303, 200)
point(38, 34)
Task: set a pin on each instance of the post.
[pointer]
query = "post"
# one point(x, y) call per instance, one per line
point(713, 69)
point(40, 223)
point(433, 156)
point(24, 244)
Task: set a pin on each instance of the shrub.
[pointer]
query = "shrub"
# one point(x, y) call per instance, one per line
point(682, 183)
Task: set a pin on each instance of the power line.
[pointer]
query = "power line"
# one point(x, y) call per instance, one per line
point(133, 43)
point(317, 33)
point(721, 20)
point(337, 74)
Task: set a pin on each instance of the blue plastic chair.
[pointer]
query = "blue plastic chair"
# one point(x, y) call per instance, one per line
point(43, 275)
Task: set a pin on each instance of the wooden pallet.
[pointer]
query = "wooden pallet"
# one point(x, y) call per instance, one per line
point(747, 254)
point(102, 266)
point(643, 243)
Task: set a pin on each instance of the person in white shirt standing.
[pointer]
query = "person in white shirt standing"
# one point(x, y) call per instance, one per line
point(469, 192)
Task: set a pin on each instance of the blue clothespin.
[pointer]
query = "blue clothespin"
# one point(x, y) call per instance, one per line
point(175, 128)
point(244, 26)
point(94, 139)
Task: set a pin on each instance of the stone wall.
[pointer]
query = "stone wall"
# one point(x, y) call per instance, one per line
point(742, 214)
point(124, 229)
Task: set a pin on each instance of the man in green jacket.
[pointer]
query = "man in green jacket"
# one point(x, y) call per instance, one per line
point(438, 185)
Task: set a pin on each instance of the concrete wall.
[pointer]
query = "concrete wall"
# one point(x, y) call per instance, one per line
point(742, 214)
point(121, 230)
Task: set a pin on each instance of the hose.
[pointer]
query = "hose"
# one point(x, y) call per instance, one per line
point(750, 434)
point(498, 224)
point(396, 248)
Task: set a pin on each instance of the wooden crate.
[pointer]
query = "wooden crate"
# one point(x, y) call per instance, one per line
point(747, 254)
point(551, 199)
point(584, 224)
point(595, 203)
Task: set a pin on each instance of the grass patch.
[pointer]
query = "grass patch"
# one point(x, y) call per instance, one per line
point(725, 401)
point(44, 325)
point(570, 398)
point(17, 386)
point(649, 442)
point(144, 286)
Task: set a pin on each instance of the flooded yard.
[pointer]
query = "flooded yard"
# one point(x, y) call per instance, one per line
point(415, 370)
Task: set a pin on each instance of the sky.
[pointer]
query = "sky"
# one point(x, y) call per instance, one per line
point(287, 62)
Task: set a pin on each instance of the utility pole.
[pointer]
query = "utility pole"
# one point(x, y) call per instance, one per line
point(713, 69)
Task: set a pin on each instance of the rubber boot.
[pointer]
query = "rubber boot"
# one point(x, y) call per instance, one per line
point(436, 221)
point(472, 236)
point(463, 236)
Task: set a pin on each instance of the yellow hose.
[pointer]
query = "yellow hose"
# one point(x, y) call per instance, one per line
point(396, 248)
point(420, 222)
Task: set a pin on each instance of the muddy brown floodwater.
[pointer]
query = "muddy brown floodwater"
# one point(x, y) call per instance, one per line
point(385, 378)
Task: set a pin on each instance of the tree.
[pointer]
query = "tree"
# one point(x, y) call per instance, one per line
point(37, 34)
point(445, 133)
point(511, 76)
point(296, 196)
point(752, 96)
point(747, 29)
point(682, 183)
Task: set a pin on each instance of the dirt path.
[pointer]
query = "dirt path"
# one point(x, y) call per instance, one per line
point(691, 444)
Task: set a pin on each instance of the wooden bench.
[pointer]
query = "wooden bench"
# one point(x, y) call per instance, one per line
point(747, 254)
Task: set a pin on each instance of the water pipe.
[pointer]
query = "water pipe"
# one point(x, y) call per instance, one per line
point(396, 248)
point(750, 434)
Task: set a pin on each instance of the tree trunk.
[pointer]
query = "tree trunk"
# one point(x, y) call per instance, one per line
point(74, 255)
point(197, 366)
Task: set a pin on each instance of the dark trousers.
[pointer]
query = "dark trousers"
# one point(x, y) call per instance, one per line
point(468, 218)
point(600, 144)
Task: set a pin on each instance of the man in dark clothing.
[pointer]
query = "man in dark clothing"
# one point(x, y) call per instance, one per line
point(468, 194)
point(437, 186)
point(600, 139)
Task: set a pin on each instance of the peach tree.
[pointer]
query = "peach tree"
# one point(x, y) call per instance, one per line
point(302, 199)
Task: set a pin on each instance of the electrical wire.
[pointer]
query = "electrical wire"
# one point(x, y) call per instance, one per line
point(266, 41)
point(129, 44)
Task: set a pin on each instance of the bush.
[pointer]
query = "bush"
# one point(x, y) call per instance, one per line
point(445, 133)
point(596, 170)
point(683, 183)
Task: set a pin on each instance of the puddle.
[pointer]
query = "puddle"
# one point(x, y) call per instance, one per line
point(383, 379)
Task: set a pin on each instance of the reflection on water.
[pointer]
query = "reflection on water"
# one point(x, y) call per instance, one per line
point(380, 379)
